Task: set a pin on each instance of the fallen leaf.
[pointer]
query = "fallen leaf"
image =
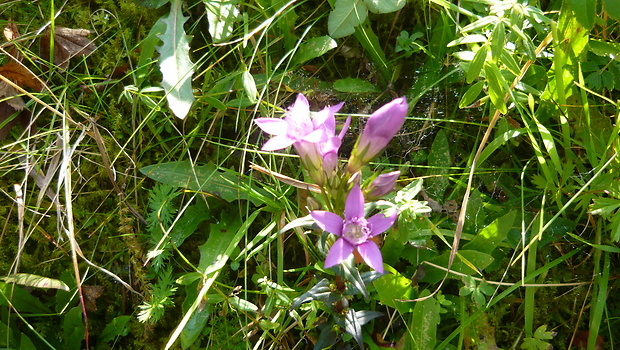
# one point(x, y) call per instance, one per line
point(21, 75)
point(9, 105)
point(91, 293)
point(12, 33)
point(68, 43)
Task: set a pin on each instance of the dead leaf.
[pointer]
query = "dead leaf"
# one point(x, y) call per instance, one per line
point(68, 43)
point(21, 76)
point(10, 104)
point(91, 293)
point(12, 33)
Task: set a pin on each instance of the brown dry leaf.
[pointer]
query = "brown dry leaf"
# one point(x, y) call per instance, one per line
point(21, 75)
point(10, 104)
point(91, 293)
point(12, 33)
point(68, 43)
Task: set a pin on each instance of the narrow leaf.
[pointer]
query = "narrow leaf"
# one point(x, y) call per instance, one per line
point(174, 62)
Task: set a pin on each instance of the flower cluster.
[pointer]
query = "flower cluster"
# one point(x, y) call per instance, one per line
point(314, 137)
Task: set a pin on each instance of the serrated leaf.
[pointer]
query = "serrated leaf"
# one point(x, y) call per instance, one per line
point(384, 6)
point(314, 48)
point(174, 62)
point(354, 85)
point(346, 15)
point(222, 15)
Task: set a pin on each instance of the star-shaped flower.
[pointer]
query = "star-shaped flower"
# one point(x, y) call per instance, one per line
point(354, 231)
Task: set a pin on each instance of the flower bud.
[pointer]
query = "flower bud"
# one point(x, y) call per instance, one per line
point(382, 185)
point(381, 127)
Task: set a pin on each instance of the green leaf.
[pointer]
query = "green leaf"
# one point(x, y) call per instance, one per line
point(477, 64)
point(174, 62)
point(117, 328)
point(28, 280)
point(23, 301)
point(73, 328)
point(613, 9)
point(491, 236)
point(495, 83)
point(192, 331)
point(471, 94)
point(439, 162)
point(314, 48)
point(604, 206)
point(384, 6)
point(346, 15)
point(393, 286)
point(151, 4)
point(249, 85)
point(222, 15)
point(223, 183)
point(584, 11)
point(426, 314)
point(354, 85)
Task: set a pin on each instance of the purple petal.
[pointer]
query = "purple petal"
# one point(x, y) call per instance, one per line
point(382, 185)
point(345, 127)
point(339, 252)
point(277, 142)
point(354, 207)
point(379, 223)
point(315, 136)
point(388, 119)
point(328, 221)
point(272, 126)
point(326, 118)
point(369, 251)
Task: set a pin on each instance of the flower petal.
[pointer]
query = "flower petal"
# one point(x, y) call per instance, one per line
point(354, 207)
point(338, 252)
point(278, 142)
point(369, 251)
point(326, 119)
point(379, 223)
point(345, 127)
point(315, 136)
point(272, 126)
point(328, 221)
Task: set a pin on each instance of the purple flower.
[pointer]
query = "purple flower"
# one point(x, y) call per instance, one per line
point(314, 138)
point(354, 231)
point(382, 185)
point(379, 130)
point(297, 126)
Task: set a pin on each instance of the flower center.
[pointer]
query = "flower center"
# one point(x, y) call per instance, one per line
point(356, 230)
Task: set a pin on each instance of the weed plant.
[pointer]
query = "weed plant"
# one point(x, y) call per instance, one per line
point(141, 209)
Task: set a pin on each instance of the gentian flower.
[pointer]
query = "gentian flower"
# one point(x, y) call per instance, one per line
point(382, 185)
point(354, 231)
point(314, 138)
point(297, 126)
point(379, 130)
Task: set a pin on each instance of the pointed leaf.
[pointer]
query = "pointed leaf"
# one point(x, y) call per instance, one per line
point(174, 62)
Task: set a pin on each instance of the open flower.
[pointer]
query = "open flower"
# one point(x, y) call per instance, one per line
point(379, 130)
point(354, 231)
point(313, 137)
point(297, 126)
